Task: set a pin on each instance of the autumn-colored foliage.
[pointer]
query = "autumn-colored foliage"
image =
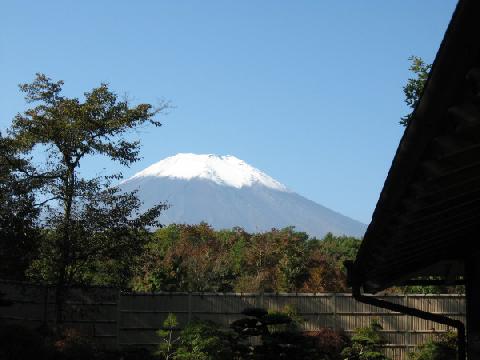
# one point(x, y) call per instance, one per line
point(199, 258)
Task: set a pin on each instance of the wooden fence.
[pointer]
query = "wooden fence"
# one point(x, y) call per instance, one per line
point(117, 318)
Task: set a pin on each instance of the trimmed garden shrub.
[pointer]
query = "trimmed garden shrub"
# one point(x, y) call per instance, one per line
point(442, 347)
point(366, 344)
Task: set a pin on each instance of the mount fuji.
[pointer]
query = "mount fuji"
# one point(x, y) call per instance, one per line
point(225, 191)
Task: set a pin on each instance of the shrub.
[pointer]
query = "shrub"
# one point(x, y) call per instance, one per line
point(279, 334)
point(443, 347)
point(199, 340)
point(204, 340)
point(329, 343)
point(366, 344)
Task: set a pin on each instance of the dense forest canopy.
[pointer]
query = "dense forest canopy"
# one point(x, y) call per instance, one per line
point(199, 258)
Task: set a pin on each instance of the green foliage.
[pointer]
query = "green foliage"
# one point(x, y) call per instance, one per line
point(296, 320)
point(199, 340)
point(87, 222)
point(340, 247)
point(429, 289)
point(443, 347)
point(204, 340)
point(293, 265)
point(19, 232)
point(414, 87)
point(167, 347)
point(365, 344)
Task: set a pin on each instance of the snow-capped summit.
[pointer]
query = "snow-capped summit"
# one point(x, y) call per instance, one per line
point(225, 192)
point(223, 170)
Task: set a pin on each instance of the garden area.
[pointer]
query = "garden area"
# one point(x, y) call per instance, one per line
point(259, 335)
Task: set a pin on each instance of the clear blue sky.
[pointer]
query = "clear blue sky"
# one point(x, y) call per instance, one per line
point(308, 91)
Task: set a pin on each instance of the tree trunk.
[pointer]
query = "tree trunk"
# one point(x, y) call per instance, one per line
point(62, 283)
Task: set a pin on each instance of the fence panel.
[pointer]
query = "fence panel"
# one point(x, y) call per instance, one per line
point(114, 318)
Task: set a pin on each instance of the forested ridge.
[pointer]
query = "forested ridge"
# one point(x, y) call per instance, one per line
point(198, 258)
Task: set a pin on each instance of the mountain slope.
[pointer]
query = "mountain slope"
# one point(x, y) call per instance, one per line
point(226, 192)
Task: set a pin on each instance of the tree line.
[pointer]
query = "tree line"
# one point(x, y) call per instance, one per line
point(199, 258)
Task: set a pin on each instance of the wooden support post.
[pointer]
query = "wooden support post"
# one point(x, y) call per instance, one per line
point(189, 305)
point(472, 288)
point(335, 326)
point(407, 324)
point(45, 307)
point(119, 313)
point(260, 301)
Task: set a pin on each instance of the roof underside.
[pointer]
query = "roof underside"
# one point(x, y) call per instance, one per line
point(428, 213)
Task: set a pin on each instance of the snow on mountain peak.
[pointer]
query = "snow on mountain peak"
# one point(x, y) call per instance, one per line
point(224, 170)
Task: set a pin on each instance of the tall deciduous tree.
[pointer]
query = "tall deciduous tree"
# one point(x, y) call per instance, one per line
point(87, 220)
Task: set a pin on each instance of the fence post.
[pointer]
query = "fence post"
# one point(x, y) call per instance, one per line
point(335, 311)
point(408, 326)
point(119, 295)
point(189, 305)
point(45, 306)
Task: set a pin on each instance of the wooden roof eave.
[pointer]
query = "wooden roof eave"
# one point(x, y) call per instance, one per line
point(457, 56)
